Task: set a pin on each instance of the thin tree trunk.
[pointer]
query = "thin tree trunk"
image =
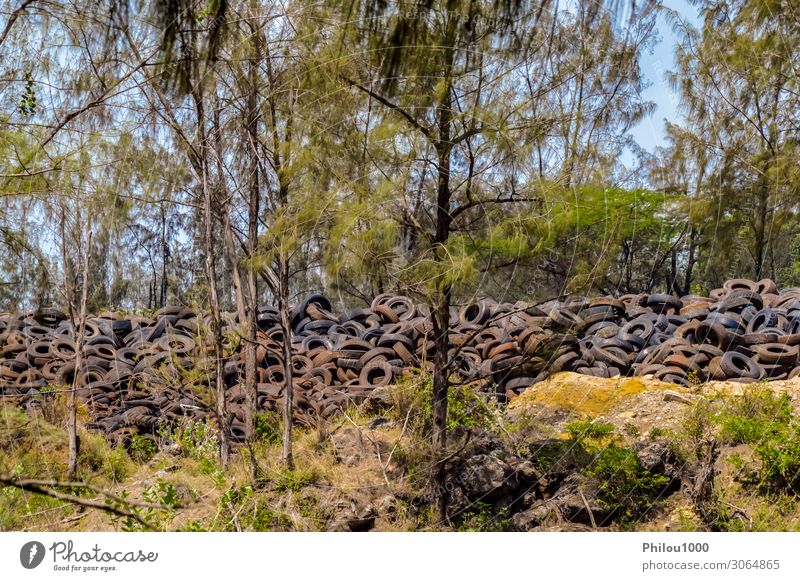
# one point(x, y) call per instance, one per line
point(286, 328)
point(77, 381)
point(280, 284)
point(162, 295)
point(251, 396)
point(441, 305)
point(211, 267)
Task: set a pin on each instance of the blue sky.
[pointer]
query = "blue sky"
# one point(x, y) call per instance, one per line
point(650, 132)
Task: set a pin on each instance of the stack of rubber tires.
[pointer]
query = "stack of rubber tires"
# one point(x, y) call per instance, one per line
point(138, 372)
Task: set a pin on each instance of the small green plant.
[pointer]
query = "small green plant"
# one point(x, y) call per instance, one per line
point(584, 432)
point(266, 518)
point(245, 507)
point(481, 518)
point(195, 527)
point(142, 449)
point(757, 415)
point(412, 396)
point(625, 487)
point(196, 440)
point(293, 480)
point(780, 462)
point(116, 464)
point(699, 422)
point(694, 380)
point(268, 427)
point(632, 430)
point(163, 497)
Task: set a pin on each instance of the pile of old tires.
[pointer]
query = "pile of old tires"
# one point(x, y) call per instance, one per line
point(745, 331)
point(139, 372)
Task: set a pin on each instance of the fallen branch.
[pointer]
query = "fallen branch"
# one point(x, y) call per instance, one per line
point(45, 487)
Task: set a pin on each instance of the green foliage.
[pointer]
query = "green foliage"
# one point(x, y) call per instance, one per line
point(412, 396)
point(142, 449)
point(632, 430)
point(780, 461)
point(625, 488)
point(293, 480)
point(757, 415)
point(196, 440)
point(163, 497)
point(253, 512)
point(763, 421)
point(195, 527)
point(586, 432)
point(116, 464)
point(27, 101)
point(482, 518)
point(268, 427)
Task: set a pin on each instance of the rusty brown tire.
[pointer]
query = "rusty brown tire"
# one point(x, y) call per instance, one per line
point(772, 353)
point(380, 373)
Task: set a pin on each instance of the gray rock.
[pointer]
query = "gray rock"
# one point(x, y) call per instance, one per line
point(485, 476)
point(378, 399)
point(350, 518)
point(533, 517)
point(658, 457)
point(670, 395)
point(349, 446)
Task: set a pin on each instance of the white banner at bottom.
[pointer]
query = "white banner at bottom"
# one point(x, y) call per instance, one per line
point(401, 556)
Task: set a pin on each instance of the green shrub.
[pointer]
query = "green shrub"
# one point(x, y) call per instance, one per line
point(196, 440)
point(780, 462)
point(142, 449)
point(412, 396)
point(293, 480)
point(625, 487)
point(481, 518)
point(268, 427)
point(266, 519)
point(583, 431)
point(116, 464)
point(757, 415)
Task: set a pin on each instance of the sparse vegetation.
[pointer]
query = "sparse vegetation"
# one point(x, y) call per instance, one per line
point(178, 476)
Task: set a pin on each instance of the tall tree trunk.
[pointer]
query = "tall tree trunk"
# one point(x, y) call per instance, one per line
point(77, 380)
point(280, 284)
point(440, 310)
point(230, 253)
point(762, 217)
point(251, 395)
point(162, 295)
point(211, 276)
point(690, 262)
point(286, 328)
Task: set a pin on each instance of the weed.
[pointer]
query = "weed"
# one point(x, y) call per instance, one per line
point(196, 440)
point(757, 415)
point(482, 518)
point(162, 494)
point(293, 480)
point(780, 461)
point(412, 397)
point(142, 449)
point(116, 465)
point(584, 432)
point(625, 487)
point(657, 432)
point(632, 430)
point(195, 527)
point(268, 427)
